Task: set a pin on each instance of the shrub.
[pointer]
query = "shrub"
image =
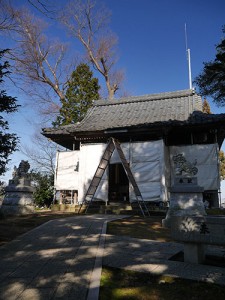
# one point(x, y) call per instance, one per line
point(44, 193)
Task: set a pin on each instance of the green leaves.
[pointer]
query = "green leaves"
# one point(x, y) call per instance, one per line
point(82, 89)
point(44, 192)
point(211, 81)
point(8, 104)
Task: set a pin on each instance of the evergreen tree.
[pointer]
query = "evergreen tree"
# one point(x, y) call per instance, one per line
point(8, 141)
point(44, 192)
point(211, 81)
point(81, 91)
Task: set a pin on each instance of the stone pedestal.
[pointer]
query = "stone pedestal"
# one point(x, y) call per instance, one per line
point(18, 198)
point(186, 199)
point(194, 253)
point(196, 233)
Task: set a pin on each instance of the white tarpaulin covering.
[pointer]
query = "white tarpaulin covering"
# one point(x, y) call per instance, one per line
point(147, 165)
point(89, 160)
point(206, 157)
point(148, 169)
point(115, 159)
point(75, 169)
point(67, 167)
point(146, 161)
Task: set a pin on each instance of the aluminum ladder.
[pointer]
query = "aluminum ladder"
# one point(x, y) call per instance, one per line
point(112, 145)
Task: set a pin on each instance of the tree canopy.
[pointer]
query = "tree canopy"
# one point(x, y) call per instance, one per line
point(211, 81)
point(8, 141)
point(44, 192)
point(81, 91)
point(42, 63)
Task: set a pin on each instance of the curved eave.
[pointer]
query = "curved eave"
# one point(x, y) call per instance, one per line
point(67, 136)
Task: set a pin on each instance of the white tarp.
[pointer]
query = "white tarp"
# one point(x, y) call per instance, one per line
point(147, 165)
point(126, 147)
point(67, 167)
point(90, 157)
point(148, 169)
point(146, 161)
point(207, 160)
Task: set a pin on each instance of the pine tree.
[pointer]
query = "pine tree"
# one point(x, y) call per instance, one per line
point(8, 141)
point(211, 81)
point(81, 91)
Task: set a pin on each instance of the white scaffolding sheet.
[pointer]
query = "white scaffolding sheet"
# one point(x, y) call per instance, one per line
point(148, 169)
point(67, 170)
point(207, 163)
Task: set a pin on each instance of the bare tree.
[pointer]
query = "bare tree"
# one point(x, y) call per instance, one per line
point(38, 62)
point(46, 7)
point(6, 19)
point(89, 24)
point(42, 153)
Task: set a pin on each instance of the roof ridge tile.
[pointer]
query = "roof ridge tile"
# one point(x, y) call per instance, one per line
point(147, 97)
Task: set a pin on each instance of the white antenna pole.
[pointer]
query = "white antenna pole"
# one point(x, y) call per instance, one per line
point(189, 59)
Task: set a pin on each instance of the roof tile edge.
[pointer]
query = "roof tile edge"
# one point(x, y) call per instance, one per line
point(147, 97)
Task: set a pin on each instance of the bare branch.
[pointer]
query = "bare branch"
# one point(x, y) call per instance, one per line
point(42, 153)
point(38, 61)
point(88, 24)
point(45, 7)
point(6, 18)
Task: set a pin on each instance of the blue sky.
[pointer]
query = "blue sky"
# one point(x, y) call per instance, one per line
point(151, 48)
point(152, 40)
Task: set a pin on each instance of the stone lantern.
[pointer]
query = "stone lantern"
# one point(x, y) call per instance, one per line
point(19, 192)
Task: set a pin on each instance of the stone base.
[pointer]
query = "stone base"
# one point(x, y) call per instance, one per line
point(196, 233)
point(18, 201)
point(184, 204)
point(194, 253)
point(15, 210)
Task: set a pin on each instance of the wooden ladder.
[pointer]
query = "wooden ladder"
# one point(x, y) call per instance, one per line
point(112, 145)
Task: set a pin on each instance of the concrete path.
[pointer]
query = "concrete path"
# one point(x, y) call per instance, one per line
point(153, 257)
point(53, 261)
point(62, 260)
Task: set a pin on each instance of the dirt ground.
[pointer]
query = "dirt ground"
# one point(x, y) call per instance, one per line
point(148, 228)
point(11, 227)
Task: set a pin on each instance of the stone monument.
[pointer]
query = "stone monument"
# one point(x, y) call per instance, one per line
point(19, 192)
point(196, 233)
point(186, 196)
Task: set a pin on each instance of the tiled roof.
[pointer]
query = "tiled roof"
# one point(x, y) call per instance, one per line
point(134, 111)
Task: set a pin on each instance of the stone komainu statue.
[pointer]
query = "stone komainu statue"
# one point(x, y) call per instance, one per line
point(22, 170)
point(182, 165)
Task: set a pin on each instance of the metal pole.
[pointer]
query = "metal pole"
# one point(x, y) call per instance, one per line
point(189, 69)
point(188, 58)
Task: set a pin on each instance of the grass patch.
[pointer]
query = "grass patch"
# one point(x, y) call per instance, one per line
point(119, 284)
point(142, 228)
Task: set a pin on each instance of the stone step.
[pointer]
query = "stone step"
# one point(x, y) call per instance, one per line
point(94, 208)
point(113, 208)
